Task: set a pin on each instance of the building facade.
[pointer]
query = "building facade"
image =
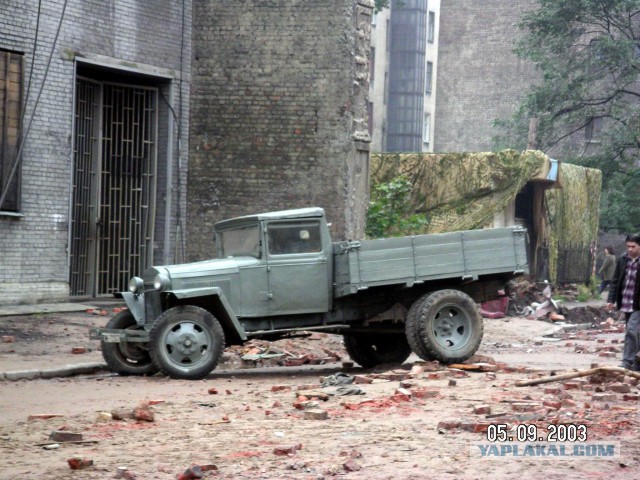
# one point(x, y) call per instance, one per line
point(95, 101)
point(279, 113)
point(402, 94)
point(480, 79)
point(115, 156)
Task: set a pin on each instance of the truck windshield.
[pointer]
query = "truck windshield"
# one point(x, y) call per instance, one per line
point(238, 242)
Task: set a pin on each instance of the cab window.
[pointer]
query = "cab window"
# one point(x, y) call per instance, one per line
point(239, 242)
point(291, 238)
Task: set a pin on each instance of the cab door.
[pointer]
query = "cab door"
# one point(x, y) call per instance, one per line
point(297, 268)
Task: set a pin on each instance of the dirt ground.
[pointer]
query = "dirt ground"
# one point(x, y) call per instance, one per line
point(249, 420)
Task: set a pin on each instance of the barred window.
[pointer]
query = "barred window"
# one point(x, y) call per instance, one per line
point(11, 78)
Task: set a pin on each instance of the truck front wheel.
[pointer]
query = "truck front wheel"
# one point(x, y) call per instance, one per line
point(186, 342)
point(450, 326)
point(369, 350)
point(126, 358)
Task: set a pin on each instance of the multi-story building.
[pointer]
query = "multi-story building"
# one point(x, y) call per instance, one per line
point(94, 102)
point(121, 144)
point(404, 76)
point(444, 71)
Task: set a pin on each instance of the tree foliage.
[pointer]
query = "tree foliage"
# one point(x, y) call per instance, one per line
point(390, 212)
point(381, 4)
point(588, 55)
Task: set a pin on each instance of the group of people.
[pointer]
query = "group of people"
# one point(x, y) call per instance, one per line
point(623, 279)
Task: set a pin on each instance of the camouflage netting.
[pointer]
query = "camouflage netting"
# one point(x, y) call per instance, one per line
point(465, 191)
point(461, 191)
point(573, 211)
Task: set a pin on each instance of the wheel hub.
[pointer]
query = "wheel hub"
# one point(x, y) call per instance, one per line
point(187, 343)
point(450, 327)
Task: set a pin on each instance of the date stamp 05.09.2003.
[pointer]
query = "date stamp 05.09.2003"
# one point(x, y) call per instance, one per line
point(559, 440)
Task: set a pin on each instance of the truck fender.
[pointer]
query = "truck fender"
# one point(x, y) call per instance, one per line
point(135, 304)
point(223, 310)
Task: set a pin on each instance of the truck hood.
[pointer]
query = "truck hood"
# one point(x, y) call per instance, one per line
point(197, 274)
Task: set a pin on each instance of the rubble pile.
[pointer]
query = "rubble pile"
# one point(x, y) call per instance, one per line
point(305, 349)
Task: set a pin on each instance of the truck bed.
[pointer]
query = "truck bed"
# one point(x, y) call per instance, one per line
point(408, 260)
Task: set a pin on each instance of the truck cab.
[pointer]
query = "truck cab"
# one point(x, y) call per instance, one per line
point(284, 262)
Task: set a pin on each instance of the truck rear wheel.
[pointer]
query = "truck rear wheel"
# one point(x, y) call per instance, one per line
point(127, 358)
point(186, 342)
point(412, 330)
point(449, 325)
point(369, 350)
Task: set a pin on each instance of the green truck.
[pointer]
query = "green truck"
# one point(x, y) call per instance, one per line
point(279, 274)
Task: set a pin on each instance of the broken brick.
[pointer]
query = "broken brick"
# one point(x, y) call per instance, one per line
point(403, 391)
point(482, 409)
point(78, 350)
point(525, 407)
point(351, 466)
point(287, 451)
point(62, 436)
point(556, 405)
point(620, 388)
point(315, 414)
point(448, 425)
point(607, 354)
point(196, 472)
point(281, 388)
point(314, 394)
point(425, 392)
point(361, 379)
point(475, 427)
point(631, 397)
point(604, 397)
point(77, 463)
point(143, 415)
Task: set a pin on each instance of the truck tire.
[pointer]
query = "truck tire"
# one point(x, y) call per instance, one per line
point(186, 342)
point(129, 358)
point(412, 330)
point(369, 350)
point(450, 326)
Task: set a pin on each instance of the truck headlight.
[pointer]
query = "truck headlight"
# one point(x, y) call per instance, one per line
point(161, 282)
point(136, 285)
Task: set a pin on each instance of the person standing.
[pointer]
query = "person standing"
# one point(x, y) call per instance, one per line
point(624, 294)
point(607, 268)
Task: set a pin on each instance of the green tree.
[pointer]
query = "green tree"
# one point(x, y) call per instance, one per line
point(380, 4)
point(390, 213)
point(588, 55)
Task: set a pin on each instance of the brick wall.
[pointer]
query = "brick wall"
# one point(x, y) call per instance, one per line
point(125, 33)
point(278, 116)
point(479, 77)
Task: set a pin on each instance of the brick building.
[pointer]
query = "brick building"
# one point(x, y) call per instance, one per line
point(127, 158)
point(278, 115)
point(480, 79)
point(101, 92)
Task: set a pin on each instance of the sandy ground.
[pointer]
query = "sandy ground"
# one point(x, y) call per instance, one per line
point(248, 423)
